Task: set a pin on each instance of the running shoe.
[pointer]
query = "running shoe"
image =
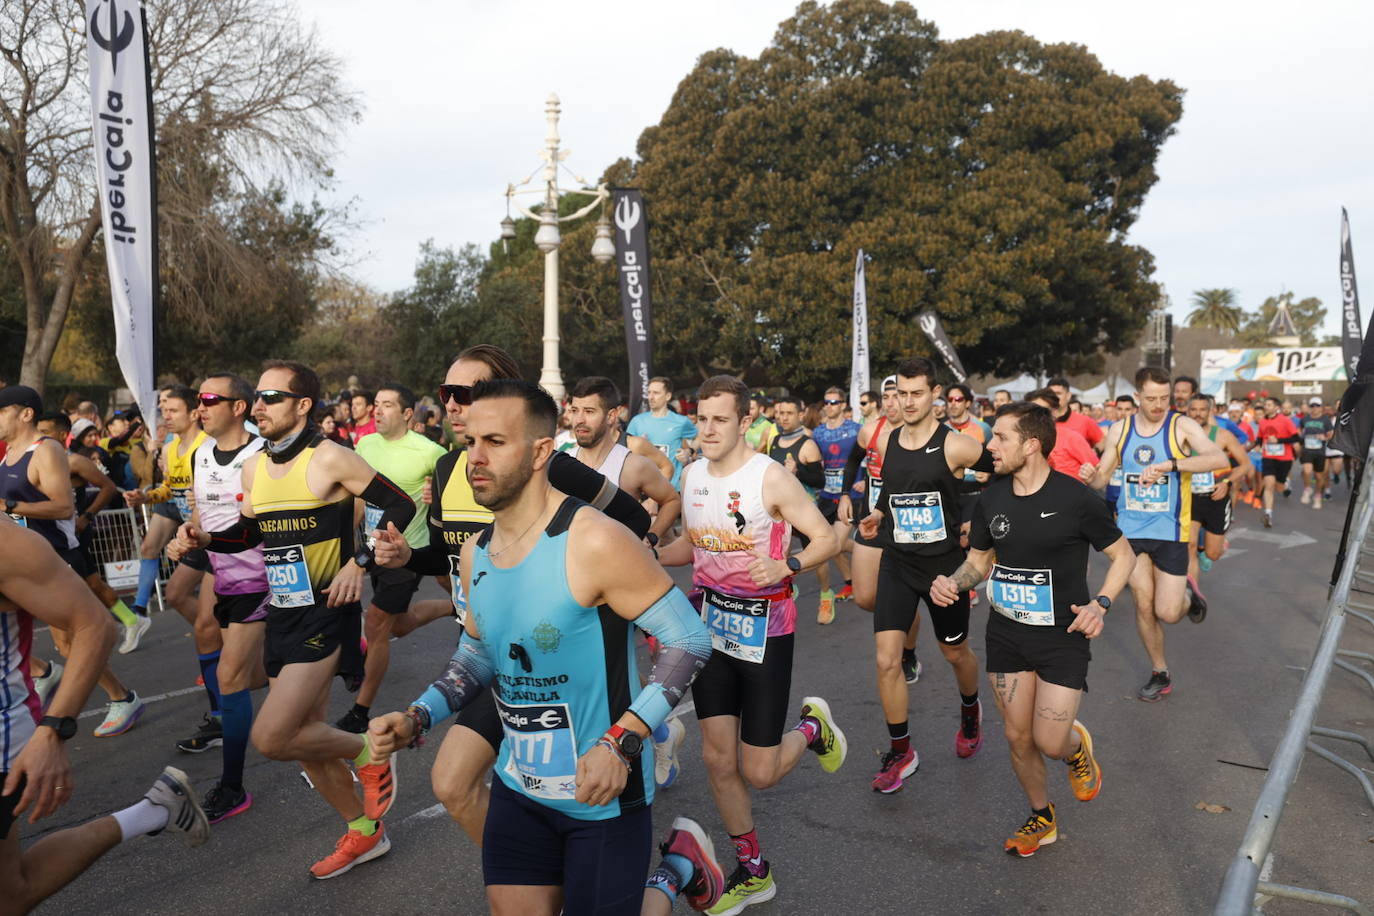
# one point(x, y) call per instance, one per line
point(743, 889)
point(911, 668)
point(825, 613)
point(846, 593)
point(1317, 503)
point(1268, 519)
point(1204, 562)
point(46, 685)
point(379, 788)
point(666, 767)
point(1085, 776)
point(1287, 491)
point(210, 734)
point(184, 814)
point(352, 849)
point(120, 717)
point(1157, 687)
point(707, 883)
point(1326, 494)
point(1197, 602)
point(1037, 831)
point(973, 597)
point(1306, 495)
point(830, 744)
point(969, 738)
point(134, 632)
point(353, 721)
point(895, 768)
point(223, 802)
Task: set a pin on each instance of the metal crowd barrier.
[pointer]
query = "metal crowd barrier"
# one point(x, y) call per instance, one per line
point(1242, 881)
point(118, 536)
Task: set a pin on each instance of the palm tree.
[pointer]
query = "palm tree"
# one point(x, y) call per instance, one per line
point(1215, 308)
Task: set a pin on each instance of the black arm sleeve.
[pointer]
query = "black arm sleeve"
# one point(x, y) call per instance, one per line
point(813, 474)
point(570, 476)
point(433, 559)
point(236, 538)
point(984, 462)
point(396, 506)
point(851, 468)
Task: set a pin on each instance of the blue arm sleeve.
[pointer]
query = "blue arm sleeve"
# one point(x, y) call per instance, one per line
point(685, 647)
point(466, 674)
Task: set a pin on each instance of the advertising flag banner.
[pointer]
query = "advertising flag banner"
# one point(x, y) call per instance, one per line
point(935, 332)
point(632, 265)
point(858, 363)
point(1352, 330)
point(126, 180)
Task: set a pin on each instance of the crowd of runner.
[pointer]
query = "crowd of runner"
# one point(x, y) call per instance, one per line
point(274, 504)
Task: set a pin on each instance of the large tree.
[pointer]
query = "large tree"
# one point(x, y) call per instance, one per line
point(243, 95)
point(1308, 316)
point(1216, 309)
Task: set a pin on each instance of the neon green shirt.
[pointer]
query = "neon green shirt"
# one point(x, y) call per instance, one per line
point(406, 462)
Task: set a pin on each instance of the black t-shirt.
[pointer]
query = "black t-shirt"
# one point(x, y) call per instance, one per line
point(1041, 541)
point(1314, 430)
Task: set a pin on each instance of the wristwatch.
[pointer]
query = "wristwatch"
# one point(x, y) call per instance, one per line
point(794, 564)
point(629, 743)
point(365, 558)
point(65, 726)
point(11, 505)
point(1103, 602)
point(652, 539)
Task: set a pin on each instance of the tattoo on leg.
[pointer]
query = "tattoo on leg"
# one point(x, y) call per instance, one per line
point(1052, 714)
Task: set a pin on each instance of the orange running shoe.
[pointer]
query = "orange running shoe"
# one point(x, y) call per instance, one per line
point(1085, 776)
point(379, 787)
point(352, 849)
point(1037, 831)
point(845, 594)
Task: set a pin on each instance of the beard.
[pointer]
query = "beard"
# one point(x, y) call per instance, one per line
point(505, 489)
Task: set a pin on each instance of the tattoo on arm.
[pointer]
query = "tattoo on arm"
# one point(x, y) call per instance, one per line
point(966, 577)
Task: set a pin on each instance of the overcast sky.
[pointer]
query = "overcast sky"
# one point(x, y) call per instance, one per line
point(1276, 134)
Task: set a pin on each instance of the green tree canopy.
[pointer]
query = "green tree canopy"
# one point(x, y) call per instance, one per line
point(1216, 309)
point(1308, 315)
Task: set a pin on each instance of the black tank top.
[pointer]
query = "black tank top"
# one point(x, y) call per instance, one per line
point(920, 499)
point(779, 452)
point(14, 484)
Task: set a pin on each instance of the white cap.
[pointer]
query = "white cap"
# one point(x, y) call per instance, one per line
point(79, 428)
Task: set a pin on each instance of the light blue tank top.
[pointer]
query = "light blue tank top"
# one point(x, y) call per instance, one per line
point(1162, 511)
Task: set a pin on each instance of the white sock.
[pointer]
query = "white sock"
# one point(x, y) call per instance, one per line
point(140, 819)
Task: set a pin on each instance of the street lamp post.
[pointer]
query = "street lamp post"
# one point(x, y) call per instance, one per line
point(548, 238)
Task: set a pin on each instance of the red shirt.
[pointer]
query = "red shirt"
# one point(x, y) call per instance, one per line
point(1081, 424)
point(1280, 427)
point(1071, 451)
point(357, 432)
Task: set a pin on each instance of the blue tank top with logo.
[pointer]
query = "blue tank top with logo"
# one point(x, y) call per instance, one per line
point(1163, 510)
point(564, 673)
point(835, 445)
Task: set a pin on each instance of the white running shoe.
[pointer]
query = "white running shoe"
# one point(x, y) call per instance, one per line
point(666, 767)
point(184, 813)
point(134, 632)
point(121, 716)
point(46, 685)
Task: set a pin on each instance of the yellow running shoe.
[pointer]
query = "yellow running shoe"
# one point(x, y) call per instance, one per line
point(744, 889)
point(826, 612)
point(1085, 776)
point(830, 744)
point(1037, 831)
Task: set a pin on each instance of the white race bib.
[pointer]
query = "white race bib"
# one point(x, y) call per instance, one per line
point(543, 749)
point(1158, 497)
point(917, 518)
point(1023, 595)
point(288, 576)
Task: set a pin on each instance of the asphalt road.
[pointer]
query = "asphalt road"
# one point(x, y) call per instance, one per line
point(1143, 846)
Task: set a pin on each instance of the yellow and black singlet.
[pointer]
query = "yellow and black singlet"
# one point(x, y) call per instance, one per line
point(305, 540)
point(177, 484)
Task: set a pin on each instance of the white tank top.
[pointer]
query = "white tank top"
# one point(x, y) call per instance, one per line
point(218, 490)
point(614, 463)
point(19, 709)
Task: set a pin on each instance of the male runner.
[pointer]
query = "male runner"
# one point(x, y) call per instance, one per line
point(35, 776)
point(835, 437)
point(549, 629)
point(663, 427)
point(923, 462)
point(794, 448)
point(1211, 496)
point(407, 459)
point(1071, 453)
point(1157, 450)
point(869, 407)
point(242, 596)
point(298, 503)
point(1001, 397)
point(1274, 442)
point(1316, 428)
point(171, 505)
point(759, 435)
point(35, 482)
point(592, 407)
point(739, 511)
point(1335, 460)
point(1067, 416)
point(362, 422)
point(1185, 386)
point(470, 747)
point(1030, 537)
point(868, 553)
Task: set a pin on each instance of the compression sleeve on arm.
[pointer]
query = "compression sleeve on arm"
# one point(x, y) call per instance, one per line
point(851, 468)
point(813, 474)
point(396, 506)
point(467, 673)
point(242, 535)
point(684, 648)
point(432, 560)
point(984, 463)
point(570, 476)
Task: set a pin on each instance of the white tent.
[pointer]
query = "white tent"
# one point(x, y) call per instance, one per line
point(1108, 388)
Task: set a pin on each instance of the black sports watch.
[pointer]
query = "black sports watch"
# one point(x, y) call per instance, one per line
point(629, 743)
point(65, 726)
point(11, 505)
point(365, 558)
point(652, 539)
point(1103, 602)
point(794, 564)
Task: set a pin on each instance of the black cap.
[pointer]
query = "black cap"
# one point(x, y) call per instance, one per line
point(22, 395)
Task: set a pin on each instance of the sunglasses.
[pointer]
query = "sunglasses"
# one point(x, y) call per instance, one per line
point(830, 402)
point(956, 400)
point(210, 400)
point(275, 396)
point(460, 394)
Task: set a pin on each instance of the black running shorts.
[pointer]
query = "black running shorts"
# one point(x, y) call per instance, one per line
point(248, 608)
point(392, 589)
point(1168, 556)
point(1273, 467)
point(8, 803)
point(1316, 459)
point(599, 864)
point(1213, 514)
point(480, 715)
point(1055, 655)
point(755, 693)
point(303, 635)
point(904, 582)
point(197, 558)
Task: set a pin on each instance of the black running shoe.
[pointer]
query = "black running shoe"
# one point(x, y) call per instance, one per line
point(1197, 604)
point(1157, 687)
point(222, 802)
point(210, 734)
point(353, 721)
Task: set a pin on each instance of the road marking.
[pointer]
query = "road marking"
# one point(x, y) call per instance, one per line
point(147, 701)
point(1284, 541)
point(1265, 871)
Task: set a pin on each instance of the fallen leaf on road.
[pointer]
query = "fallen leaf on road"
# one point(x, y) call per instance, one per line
point(1211, 809)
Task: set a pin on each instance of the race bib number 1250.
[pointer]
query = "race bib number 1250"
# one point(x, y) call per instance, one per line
point(288, 576)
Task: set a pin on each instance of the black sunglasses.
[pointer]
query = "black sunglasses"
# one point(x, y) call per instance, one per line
point(460, 393)
point(832, 403)
point(275, 396)
point(210, 400)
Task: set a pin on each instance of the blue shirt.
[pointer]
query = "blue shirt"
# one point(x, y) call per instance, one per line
point(835, 445)
point(665, 433)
